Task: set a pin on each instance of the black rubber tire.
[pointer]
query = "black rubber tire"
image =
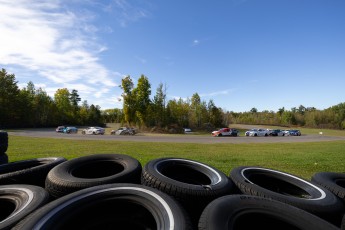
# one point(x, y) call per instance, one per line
point(289, 189)
point(3, 141)
point(112, 206)
point(92, 170)
point(236, 212)
point(17, 201)
point(334, 182)
point(3, 158)
point(31, 171)
point(192, 183)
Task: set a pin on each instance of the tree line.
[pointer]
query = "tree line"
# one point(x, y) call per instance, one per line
point(31, 107)
point(330, 118)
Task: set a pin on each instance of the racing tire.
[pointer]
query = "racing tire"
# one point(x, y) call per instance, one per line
point(334, 182)
point(234, 212)
point(31, 171)
point(3, 158)
point(192, 183)
point(289, 189)
point(3, 141)
point(18, 201)
point(92, 170)
point(119, 206)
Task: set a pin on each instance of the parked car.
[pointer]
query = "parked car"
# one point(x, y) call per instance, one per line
point(277, 132)
point(123, 131)
point(295, 132)
point(94, 131)
point(225, 132)
point(70, 129)
point(187, 130)
point(60, 129)
point(257, 132)
point(286, 132)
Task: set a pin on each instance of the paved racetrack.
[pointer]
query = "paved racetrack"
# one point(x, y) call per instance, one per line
point(187, 138)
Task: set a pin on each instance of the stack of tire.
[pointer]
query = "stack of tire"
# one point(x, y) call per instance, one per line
point(3, 147)
point(106, 191)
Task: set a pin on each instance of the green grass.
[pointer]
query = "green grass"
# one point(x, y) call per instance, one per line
point(300, 159)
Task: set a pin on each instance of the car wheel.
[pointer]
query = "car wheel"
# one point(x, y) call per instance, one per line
point(112, 206)
point(192, 183)
point(32, 171)
point(19, 200)
point(289, 189)
point(236, 212)
point(88, 171)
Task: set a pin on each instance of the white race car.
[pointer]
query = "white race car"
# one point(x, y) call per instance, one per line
point(257, 133)
point(123, 131)
point(94, 130)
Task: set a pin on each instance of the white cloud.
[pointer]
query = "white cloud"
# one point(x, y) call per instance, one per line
point(196, 42)
point(55, 45)
point(217, 93)
point(127, 13)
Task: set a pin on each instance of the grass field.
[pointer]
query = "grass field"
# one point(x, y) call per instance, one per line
point(300, 159)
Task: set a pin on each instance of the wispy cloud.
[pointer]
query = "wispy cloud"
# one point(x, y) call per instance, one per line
point(140, 59)
point(195, 42)
point(217, 93)
point(126, 12)
point(55, 43)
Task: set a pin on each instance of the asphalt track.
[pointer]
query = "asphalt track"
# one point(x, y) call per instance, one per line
point(186, 138)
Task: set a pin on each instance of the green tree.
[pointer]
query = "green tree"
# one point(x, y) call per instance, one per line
point(142, 99)
point(216, 114)
point(254, 110)
point(158, 106)
point(128, 99)
point(62, 101)
point(94, 115)
point(74, 98)
point(9, 93)
point(44, 108)
point(112, 115)
point(26, 105)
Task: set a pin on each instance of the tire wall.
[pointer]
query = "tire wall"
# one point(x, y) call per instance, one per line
point(3, 147)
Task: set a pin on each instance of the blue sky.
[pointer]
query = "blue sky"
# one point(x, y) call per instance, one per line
point(241, 54)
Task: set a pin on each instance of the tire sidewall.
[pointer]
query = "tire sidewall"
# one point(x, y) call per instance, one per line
point(27, 198)
point(322, 202)
point(224, 212)
point(168, 214)
point(65, 170)
point(217, 178)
